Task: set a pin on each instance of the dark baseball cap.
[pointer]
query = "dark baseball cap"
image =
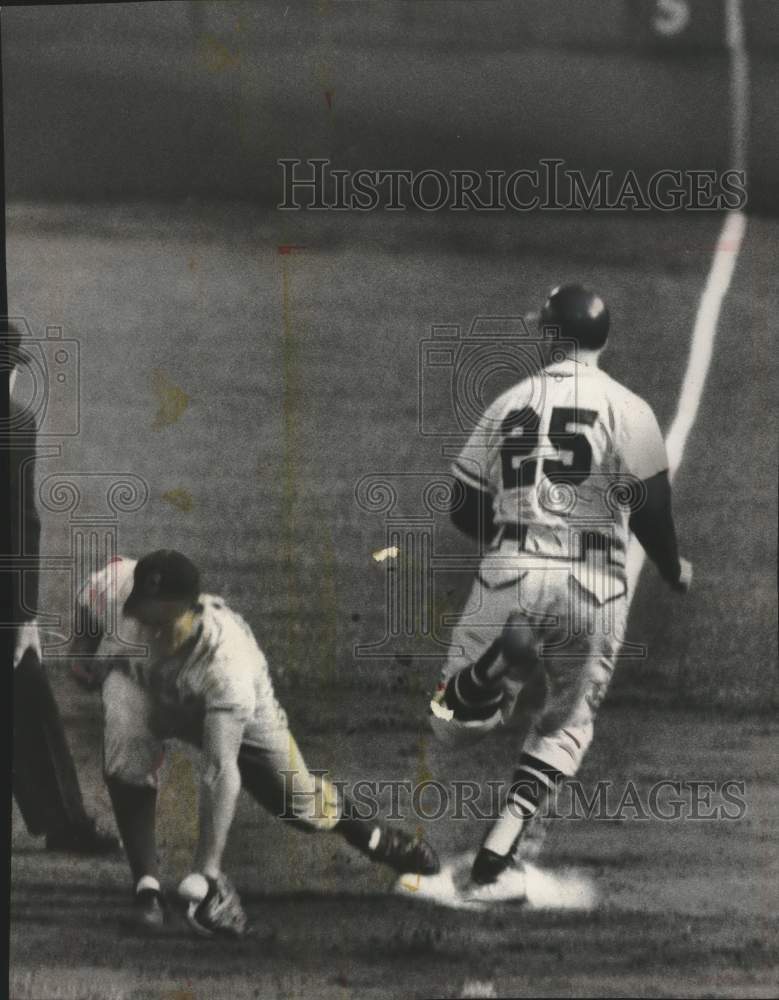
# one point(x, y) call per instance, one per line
point(164, 575)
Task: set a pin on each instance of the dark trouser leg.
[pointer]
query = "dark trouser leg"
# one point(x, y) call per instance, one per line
point(132, 755)
point(269, 791)
point(45, 782)
point(266, 787)
point(135, 809)
point(311, 803)
point(277, 778)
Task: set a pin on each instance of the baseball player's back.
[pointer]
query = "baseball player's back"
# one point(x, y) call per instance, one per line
point(563, 455)
point(558, 472)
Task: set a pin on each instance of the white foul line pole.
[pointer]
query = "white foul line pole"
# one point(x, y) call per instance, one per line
point(720, 274)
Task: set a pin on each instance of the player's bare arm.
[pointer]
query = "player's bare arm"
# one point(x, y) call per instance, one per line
point(220, 787)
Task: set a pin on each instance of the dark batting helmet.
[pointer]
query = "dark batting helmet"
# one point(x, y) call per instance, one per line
point(579, 314)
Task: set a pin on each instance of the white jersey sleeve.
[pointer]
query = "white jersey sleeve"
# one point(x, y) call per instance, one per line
point(641, 445)
point(104, 592)
point(229, 677)
point(227, 690)
point(478, 464)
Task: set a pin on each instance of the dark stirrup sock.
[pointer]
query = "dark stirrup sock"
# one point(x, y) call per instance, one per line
point(135, 809)
point(535, 782)
point(474, 693)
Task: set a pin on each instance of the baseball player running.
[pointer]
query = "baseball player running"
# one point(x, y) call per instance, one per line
point(204, 680)
point(559, 470)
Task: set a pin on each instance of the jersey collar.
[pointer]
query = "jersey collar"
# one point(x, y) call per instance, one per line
point(568, 367)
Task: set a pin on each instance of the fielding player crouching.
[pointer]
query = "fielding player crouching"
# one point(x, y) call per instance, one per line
point(204, 680)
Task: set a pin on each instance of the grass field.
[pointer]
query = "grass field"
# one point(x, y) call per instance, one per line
point(300, 376)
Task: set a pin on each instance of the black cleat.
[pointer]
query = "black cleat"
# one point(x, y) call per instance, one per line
point(83, 838)
point(149, 907)
point(489, 866)
point(407, 854)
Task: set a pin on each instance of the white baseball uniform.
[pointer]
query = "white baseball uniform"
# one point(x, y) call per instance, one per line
point(151, 696)
point(562, 455)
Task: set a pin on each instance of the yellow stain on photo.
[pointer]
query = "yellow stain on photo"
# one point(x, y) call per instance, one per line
point(172, 401)
point(179, 498)
point(216, 56)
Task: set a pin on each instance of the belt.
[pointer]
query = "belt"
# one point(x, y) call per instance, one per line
point(589, 540)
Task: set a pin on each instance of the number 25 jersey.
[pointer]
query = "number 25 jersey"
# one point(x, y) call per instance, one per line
point(563, 455)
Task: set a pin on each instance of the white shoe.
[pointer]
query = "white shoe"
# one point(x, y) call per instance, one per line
point(534, 888)
point(442, 889)
point(452, 886)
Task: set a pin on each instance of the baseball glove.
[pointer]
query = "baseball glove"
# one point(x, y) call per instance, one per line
point(213, 906)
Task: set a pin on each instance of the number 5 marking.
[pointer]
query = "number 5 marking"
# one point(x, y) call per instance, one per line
point(563, 437)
